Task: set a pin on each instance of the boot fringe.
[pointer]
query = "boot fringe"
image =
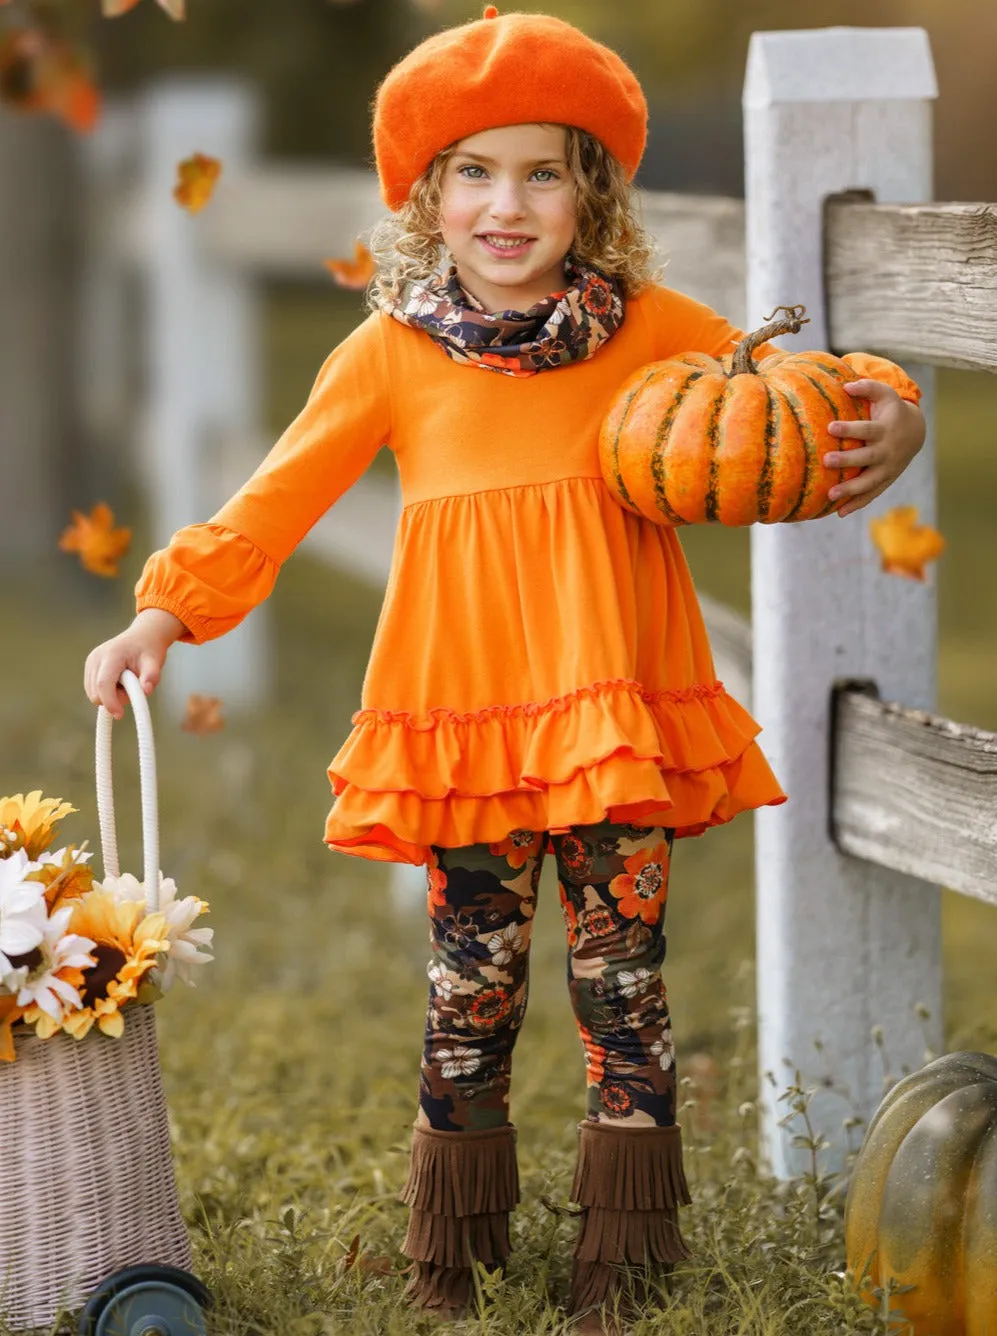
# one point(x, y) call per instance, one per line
point(636, 1237)
point(629, 1168)
point(439, 1287)
point(631, 1183)
point(450, 1241)
point(462, 1173)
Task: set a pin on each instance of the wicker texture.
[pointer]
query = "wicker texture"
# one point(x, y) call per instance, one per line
point(86, 1176)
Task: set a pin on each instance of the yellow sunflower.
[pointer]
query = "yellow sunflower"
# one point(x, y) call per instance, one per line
point(28, 821)
point(65, 876)
point(127, 942)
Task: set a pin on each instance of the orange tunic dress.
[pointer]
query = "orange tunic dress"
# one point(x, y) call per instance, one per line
point(540, 660)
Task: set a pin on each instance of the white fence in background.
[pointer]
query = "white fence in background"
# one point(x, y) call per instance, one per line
point(847, 871)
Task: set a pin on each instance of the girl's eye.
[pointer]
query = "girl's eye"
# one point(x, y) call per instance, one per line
point(469, 168)
point(546, 174)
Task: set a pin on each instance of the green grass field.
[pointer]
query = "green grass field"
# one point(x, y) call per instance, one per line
point(292, 1069)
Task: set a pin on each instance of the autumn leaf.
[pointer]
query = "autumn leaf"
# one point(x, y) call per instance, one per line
point(196, 184)
point(203, 715)
point(355, 273)
point(94, 537)
point(111, 9)
point(41, 73)
point(904, 545)
point(353, 1253)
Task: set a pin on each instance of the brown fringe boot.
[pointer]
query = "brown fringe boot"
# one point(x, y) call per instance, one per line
point(461, 1188)
point(630, 1182)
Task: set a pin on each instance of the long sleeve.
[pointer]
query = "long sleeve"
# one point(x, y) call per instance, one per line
point(213, 573)
point(683, 325)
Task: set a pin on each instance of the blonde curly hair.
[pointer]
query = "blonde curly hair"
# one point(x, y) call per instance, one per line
point(609, 235)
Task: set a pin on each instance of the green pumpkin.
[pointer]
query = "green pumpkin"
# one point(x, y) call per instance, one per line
point(922, 1199)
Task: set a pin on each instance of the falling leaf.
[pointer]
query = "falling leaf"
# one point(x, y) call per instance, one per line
point(905, 546)
point(355, 273)
point(42, 73)
point(111, 9)
point(95, 538)
point(203, 715)
point(196, 185)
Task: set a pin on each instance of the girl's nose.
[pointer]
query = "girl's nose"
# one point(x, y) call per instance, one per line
point(507, 201)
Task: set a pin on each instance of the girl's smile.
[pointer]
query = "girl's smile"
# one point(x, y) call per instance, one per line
point(507, 214)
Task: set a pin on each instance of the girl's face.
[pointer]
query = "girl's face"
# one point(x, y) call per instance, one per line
point(507, 214)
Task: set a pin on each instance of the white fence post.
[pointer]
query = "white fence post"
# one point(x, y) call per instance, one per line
point(843, 946)
point(203, 362)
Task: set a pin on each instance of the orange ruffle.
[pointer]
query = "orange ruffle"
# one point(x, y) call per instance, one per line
point(611, 751)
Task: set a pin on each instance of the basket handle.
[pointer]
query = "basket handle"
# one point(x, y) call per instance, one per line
point(147, 783)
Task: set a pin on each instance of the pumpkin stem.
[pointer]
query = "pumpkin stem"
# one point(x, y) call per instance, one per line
point(743, 362)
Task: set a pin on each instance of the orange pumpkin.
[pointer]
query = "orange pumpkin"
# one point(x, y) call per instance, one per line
point(921, 1207)
point(694, 440)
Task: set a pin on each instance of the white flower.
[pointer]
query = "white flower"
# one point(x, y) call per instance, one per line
point(505, 944)
point(23, 913)
point(459, 1061)
point(633, 982)
point(79, 856)
point(441, 980)
point(185, 941)
point(664, 1050)
point(60, 950)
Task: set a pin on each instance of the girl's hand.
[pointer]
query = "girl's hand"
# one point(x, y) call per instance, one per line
point(893, 435)
point(142, 648)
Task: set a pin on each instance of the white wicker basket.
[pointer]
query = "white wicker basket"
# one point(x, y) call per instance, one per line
point(86, 1176)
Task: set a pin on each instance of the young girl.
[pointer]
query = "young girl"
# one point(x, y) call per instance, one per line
point(540, 680)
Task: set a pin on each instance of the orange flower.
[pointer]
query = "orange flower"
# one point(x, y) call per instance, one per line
point(436, 898)
point(643, 888)
point(10, 1013)
point(518, 846)
point(490, 1008)
point(65, 876)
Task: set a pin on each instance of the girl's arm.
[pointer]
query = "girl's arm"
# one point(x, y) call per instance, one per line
point(213, 573)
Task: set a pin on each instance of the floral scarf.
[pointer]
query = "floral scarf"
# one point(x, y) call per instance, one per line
point(567, 326)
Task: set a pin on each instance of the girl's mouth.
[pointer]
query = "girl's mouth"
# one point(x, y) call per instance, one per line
point(505, 247)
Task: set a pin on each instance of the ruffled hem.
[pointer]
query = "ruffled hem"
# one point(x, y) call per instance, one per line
point(614, 751)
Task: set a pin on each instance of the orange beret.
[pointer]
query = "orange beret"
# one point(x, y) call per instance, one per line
point(507, 69)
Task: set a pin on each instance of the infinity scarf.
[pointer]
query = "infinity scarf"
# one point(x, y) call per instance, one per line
point(567, 326)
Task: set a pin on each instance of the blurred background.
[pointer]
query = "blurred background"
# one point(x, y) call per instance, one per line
point(238, 803)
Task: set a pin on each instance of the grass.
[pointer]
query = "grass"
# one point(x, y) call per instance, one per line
point(292, 1070)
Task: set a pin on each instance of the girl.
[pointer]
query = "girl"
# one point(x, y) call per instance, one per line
point(540, 680)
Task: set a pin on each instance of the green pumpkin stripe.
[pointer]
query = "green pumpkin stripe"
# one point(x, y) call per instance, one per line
point(657, 452)
point(617, 475)
point(766, 478)
point(712, 503)
point(800, 418)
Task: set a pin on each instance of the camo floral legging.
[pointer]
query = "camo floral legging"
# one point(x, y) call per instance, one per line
point(613, 883)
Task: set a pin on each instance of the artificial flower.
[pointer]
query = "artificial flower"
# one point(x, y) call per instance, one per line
point(127, 942)
point(28, 821)
point(185, 941)
point(10, 1014)
point(64, 875)
point(22, 912)
point(50, 986)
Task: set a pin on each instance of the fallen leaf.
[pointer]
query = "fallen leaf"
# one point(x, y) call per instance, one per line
point(94, 537)
point(353, 1253)
point(203, 715)
point(355, 273)
point(904, 545)
point(196, 184)
point(111, 9)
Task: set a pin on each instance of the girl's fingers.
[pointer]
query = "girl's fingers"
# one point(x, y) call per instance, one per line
point(868, 389)
point(859, 458)
point(868, 481)
point(861, 430)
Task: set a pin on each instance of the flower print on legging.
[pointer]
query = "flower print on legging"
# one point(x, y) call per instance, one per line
point(613, 882)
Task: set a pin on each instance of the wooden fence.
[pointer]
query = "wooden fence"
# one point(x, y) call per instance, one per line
point(887, 801)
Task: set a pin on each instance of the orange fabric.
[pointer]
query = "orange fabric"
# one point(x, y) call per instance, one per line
point(507, 70)
point(540, 659)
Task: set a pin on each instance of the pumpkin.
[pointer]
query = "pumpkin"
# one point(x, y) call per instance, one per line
point(922, 1199)
point(694, 440)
